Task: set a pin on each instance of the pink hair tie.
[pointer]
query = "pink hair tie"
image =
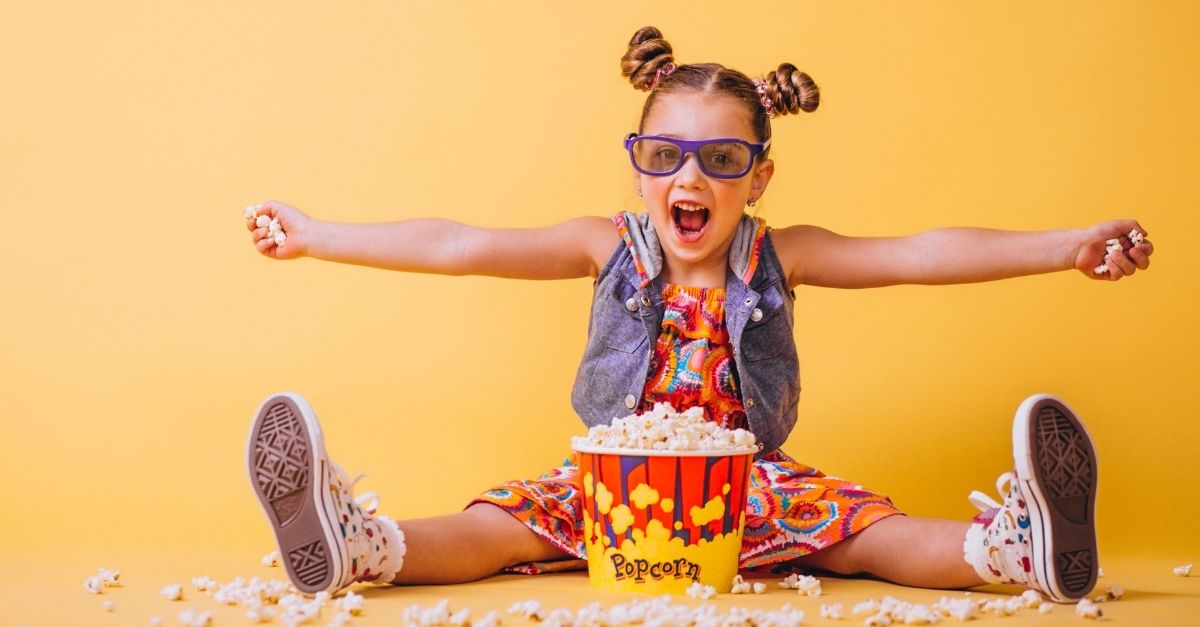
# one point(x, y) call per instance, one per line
point(760, 86)
point(665, 70)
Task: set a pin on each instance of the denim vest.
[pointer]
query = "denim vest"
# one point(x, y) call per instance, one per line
point(627, 319)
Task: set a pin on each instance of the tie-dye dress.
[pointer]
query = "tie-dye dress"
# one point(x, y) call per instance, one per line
point(792, 509)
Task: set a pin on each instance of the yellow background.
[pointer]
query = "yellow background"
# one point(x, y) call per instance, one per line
point(140, 328)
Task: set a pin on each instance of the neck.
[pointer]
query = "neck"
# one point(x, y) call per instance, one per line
point(706, 274)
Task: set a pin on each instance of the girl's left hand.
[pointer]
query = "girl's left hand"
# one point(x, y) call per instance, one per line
point(1128, 260)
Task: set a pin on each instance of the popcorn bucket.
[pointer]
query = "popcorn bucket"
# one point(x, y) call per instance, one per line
point(657, 521)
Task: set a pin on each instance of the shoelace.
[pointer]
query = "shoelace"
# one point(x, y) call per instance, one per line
point(1003, 487)
point(361, 500)
point(369, 503)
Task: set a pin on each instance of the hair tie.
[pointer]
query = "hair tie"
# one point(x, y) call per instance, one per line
point(665, 70)
point(760, 86)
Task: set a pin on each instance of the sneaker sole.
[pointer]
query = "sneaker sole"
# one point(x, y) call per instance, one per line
point(287, 466)
point(1057, 474)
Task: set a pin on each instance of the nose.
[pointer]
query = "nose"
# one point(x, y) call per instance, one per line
point(690, 175)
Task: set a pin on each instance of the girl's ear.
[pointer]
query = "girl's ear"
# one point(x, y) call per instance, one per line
point(762, 175)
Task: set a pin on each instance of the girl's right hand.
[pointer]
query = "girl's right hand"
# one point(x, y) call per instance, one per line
point(1093, 251)
point(293, 222)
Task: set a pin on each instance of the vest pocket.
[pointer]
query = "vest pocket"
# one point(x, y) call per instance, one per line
point(622, 331)
point(626, 345)
point(620, 324)
point(761, 352)
point(769, 338)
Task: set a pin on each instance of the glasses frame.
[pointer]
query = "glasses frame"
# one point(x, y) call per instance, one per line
point(687, 147)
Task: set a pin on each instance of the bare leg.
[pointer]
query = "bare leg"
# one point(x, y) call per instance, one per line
point(469, 545)
point(920, 552)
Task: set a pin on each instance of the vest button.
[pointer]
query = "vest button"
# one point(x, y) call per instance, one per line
point(645, 300)
point(749, 403)
point(756, 315)
point(630, 401)
point(631, 304)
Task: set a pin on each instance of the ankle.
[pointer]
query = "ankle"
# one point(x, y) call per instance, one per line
point(391, 548)
point(977, 555)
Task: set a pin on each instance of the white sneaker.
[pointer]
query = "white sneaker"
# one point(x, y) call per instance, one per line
point(1044, 534)
point(327, 540)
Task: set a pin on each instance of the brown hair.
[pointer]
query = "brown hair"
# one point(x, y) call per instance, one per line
point(646, 64)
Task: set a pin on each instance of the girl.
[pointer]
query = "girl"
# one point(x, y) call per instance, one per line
point(693, 305)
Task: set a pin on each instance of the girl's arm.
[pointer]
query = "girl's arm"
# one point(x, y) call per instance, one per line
point(815, 256)
point(572, 249)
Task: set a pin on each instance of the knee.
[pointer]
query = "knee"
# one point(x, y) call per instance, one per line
point(511, 541)
point(838, 559)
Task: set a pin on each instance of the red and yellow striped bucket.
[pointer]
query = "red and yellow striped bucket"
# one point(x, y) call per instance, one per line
point(656, 521)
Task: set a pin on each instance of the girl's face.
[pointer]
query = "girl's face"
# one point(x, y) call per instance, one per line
point(696, 215)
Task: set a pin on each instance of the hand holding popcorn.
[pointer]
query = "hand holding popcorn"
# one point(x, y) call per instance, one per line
point(277, 230)
point(1113, 250)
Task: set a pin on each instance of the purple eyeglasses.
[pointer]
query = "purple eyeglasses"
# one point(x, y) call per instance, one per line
point(727, 158)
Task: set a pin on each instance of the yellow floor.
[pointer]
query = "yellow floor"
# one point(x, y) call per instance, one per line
point(47, 589)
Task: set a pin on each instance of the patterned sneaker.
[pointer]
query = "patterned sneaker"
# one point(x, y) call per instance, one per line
point(1044, 535)
point(327, 540)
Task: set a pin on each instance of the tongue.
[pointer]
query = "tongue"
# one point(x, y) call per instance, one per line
point(692, 220)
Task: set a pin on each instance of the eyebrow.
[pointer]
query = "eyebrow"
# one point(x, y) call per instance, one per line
point(680, 137)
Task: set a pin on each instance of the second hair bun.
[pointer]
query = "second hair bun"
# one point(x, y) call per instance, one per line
point(648, 52)
point(792, 91)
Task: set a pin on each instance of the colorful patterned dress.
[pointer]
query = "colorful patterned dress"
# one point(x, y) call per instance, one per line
point(792, 509)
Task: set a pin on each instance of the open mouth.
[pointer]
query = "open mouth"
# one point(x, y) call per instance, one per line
point(689, 219)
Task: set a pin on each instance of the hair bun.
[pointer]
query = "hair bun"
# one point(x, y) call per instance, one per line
point(792, 91)
point(648, 53)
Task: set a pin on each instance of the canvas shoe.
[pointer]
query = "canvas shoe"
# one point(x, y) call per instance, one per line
point(328, 538)
point(1043, 536)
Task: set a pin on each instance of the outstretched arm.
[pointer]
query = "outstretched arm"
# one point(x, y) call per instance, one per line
point(815, 256)
point(571, 249)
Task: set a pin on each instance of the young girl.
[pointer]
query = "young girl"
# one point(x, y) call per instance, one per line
point(693, 305)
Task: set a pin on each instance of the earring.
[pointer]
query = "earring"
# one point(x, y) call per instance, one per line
point(639, 191)
point(751, 202)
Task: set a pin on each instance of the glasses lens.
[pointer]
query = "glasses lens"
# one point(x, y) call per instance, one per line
point(725, 158)
point(656, 156)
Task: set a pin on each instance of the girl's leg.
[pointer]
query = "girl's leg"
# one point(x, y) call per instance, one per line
point(329, 539)
point(1043, 535)
point(922, 552)
point(469, 545)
